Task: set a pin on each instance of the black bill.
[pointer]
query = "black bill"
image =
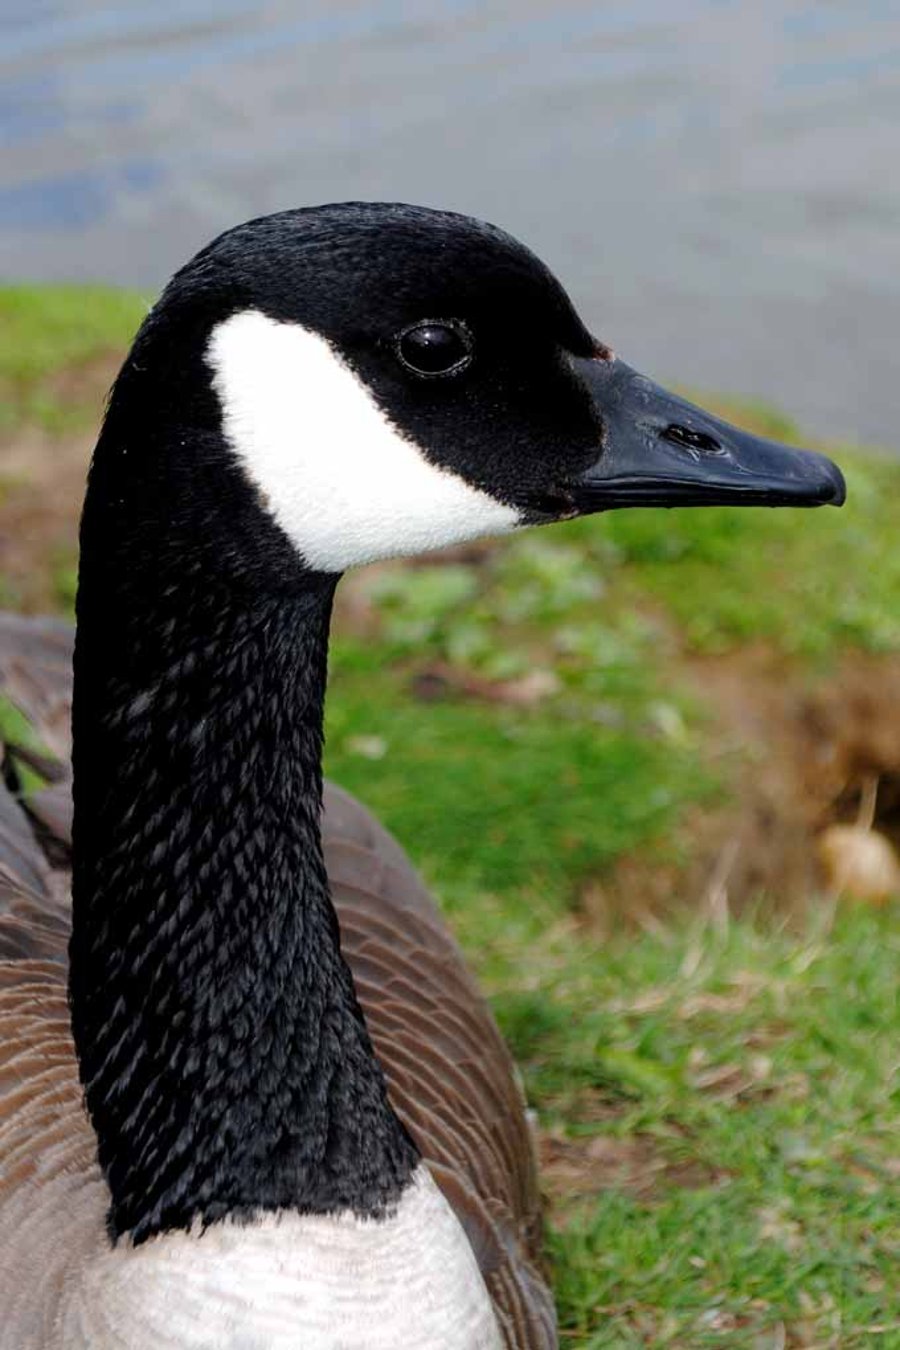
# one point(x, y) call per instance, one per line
point(660, 450)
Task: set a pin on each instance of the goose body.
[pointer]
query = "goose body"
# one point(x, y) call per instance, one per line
point(249, 1095)
point(448, 1070)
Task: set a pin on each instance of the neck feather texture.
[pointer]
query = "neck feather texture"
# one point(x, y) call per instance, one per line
point(226, 1063)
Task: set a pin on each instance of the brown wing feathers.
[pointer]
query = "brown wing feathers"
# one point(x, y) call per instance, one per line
point(450, 1076)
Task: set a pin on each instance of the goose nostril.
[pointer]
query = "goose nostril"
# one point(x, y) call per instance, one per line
point(679, 434)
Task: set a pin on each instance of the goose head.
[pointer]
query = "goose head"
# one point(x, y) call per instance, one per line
point(383, 380)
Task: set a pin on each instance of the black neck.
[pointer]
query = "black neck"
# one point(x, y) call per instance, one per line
point(226, 1064)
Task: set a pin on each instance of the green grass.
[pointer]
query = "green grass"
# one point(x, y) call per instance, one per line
point(721, 1100)
point(810, 584)
point(756, 1068)
point(759, 1071)
point(515, 806)
point(50, 334)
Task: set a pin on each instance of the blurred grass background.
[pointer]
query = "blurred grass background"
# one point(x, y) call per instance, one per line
point(613, 747)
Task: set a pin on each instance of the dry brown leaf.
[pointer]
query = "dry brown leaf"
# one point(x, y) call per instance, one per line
point(859, 863)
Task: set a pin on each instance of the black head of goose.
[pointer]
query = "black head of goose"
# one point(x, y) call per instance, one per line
point(315, 390)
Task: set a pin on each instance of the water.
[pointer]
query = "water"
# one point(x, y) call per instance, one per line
point(715, 181)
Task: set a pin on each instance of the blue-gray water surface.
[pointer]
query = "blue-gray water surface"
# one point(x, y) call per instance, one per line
point(716, 181)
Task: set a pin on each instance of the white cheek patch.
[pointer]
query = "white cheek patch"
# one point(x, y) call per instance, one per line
point(343, 483)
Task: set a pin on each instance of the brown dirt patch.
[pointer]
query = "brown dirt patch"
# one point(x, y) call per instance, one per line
point(811, 751)
point(84, 385)
point(42, 480)
point(574, 1171)
point(803, 753)
point(41, 489)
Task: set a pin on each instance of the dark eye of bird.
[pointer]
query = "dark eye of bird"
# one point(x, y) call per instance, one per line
point(435, 347)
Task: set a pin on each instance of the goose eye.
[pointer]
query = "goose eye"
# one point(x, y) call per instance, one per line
point(435, 347)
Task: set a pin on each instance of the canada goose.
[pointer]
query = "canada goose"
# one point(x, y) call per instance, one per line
point(315, 390)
